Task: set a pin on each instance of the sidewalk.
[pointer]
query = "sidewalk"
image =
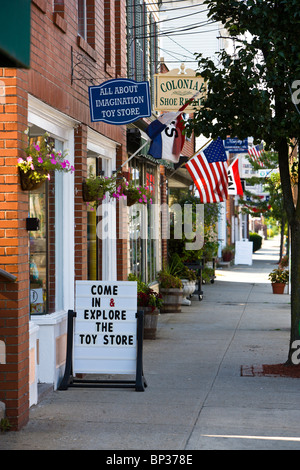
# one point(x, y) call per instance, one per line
point(196, 398)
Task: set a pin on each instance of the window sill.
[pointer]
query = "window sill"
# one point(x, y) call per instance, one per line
point(86, 47)
point(109, 69)
point(41, 4)
point(60, 22)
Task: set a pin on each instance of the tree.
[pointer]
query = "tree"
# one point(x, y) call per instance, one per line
point(250, 94)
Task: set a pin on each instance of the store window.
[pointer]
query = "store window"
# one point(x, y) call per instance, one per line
point(45, 244)
point(38, 208)
point(143, 225)
point(93, 248)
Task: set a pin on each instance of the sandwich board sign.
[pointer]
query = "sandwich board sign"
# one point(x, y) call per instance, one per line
point(105, 334)
point(243, 252)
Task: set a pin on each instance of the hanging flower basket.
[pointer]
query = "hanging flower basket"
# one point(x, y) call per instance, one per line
point(40, 161)
point(87, 196)
point(28, 179)
point(135, 194)
point(132, 198)
point(95, 188)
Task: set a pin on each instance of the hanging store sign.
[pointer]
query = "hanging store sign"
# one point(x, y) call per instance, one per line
point(236, 145)
point(173, 90)
point(119, 101)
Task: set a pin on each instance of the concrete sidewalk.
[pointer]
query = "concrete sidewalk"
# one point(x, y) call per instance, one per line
point(196, 398)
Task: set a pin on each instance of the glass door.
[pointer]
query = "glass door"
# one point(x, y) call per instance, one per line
point(38, 252)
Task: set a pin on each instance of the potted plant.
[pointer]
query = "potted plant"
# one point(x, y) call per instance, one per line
point(41, 159)
point(208, 275)
point(187, 276)
point(171, 288)
point(150, 302)
point(228, 253)
point(279, 278)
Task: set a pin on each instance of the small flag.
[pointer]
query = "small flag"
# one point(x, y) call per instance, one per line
point(234, 181)
point(208, 168)
point(166, 134)
point(255, 152)
point(167, 137)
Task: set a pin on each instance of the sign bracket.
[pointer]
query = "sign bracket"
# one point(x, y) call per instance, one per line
point(70, 381)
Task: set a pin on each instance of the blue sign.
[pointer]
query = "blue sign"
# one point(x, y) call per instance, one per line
point(236, 145)
point(120, 101)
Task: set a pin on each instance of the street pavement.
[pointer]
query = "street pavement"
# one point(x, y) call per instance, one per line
point(196, 397)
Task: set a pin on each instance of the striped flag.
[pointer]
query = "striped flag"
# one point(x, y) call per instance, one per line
point(166, 134)
point(255, 153)
point(208, 168)
point(167, 137)
point(234, 181)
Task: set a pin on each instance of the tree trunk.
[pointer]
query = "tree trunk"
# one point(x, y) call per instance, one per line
point(293, 217)
point(282, 227)
point(295, 287)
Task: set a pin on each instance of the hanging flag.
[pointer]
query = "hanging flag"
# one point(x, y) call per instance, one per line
point(208, 168)
point(255, 152)
point(167, 137)
point(234, 181)
point(166, 134)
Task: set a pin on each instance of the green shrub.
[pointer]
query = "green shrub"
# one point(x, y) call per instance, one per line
point(257, 241)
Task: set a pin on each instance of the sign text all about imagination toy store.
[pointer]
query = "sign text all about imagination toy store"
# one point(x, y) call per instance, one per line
point(119, 101)
point(105, 335)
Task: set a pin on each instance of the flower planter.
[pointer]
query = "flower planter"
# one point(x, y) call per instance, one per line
point(278, 287)
point(131, 198)
point(172, 299)
point(188, 289)
point(227, 257)
point(86, 196)
point(28, 183)
point(150, 322)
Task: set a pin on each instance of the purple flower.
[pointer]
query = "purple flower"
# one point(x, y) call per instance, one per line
point(53, 161)
point(36, 146)
point(40, 160)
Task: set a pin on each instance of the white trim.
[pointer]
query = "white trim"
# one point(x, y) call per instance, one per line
point(61, 127)
point(106, 149)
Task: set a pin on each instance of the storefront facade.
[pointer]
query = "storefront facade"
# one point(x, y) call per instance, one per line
point(69, 242)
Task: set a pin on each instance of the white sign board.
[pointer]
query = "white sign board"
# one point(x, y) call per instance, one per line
point(105, 334)
point(243, 252)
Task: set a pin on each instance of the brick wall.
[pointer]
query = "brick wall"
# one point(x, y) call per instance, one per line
point(55, 46)
point(14, 300)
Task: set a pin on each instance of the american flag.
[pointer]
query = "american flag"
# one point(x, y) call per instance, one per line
point(208, 168)
point(255, 153)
